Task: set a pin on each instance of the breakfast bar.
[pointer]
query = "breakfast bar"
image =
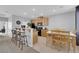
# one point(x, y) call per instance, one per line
point(61, 40)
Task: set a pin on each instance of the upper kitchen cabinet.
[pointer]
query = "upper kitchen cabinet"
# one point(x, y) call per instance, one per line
point(45, 21)
point(40, 21)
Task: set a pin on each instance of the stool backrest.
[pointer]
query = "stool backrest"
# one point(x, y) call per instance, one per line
point(13, 31)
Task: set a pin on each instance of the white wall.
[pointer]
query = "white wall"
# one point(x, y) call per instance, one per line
point(12, 23)
point(63, 21)
point(4, 22)
point(10, 26)
point(23, 21)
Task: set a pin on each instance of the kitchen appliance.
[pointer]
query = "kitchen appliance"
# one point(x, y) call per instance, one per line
point(38, 28)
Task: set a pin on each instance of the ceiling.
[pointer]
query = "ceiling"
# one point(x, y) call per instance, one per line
point(32, 11)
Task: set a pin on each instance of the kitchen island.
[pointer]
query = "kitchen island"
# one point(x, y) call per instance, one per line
point(32, 36)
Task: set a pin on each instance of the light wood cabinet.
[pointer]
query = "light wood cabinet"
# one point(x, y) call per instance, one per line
point(34, 21)
point(46, 21)
point(44, 33)
point(43, 20)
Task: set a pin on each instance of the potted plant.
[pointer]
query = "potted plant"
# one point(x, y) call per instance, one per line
point(29, 24)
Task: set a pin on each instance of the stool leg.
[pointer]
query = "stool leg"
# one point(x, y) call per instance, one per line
point(12, 39)
point(19, 44)
point(26, 41)
point(16, 40)
point(22, 46)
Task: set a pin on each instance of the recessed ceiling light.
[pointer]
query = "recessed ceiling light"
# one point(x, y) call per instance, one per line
point(33, 9)
point(25, 13)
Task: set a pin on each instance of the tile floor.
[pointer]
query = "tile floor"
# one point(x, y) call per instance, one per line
point(6, 46)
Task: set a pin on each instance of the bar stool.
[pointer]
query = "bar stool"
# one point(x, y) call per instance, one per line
point(18, 36)
point(23, 39)
point(13, 35)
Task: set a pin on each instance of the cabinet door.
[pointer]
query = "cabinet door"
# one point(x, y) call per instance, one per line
point(34, 21)
point(45, 21)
